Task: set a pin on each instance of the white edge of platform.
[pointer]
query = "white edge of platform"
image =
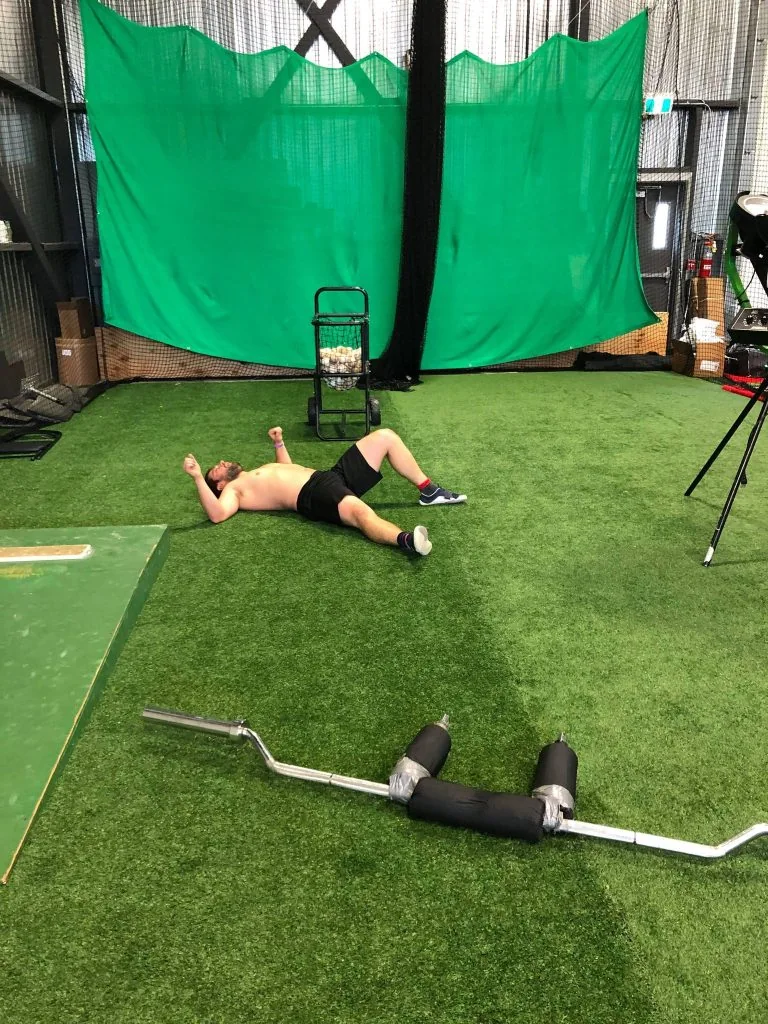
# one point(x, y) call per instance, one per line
point(85, 553)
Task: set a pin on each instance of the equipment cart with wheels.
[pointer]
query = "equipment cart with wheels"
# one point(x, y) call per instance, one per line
point(341, 363)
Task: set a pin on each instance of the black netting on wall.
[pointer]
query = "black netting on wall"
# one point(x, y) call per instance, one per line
point(709, 57)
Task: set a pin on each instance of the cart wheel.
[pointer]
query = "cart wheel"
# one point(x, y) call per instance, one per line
point(312, 411)
point(374, 411)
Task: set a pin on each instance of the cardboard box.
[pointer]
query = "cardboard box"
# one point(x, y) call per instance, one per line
point(709, 309)
point(705, 359)
point(75, 318)
point(11, 376)
point(707, 299)
point(636, 343)
point(78, 362)
point(710, 287)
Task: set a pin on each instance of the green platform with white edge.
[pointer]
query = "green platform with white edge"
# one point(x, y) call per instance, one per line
point(68, 600)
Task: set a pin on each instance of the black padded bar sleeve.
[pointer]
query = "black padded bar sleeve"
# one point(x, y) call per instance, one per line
point(430, 748)
point(557, 766)
point(498, 814)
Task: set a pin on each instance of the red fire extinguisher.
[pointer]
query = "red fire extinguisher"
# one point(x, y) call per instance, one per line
point(709, 248)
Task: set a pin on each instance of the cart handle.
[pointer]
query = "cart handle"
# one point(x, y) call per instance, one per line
point(341, 288)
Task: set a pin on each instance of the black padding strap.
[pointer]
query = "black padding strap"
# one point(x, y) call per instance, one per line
point(430, 748)
point(498, 814)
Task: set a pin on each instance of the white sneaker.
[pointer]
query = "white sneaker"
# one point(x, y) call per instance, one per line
point(421, 541)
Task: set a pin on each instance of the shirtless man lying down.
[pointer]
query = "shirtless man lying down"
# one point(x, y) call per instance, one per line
point(330, 496)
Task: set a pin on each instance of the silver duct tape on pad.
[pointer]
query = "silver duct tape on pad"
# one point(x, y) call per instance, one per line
point(552, 814)
point(405, 776)
point(559, 795)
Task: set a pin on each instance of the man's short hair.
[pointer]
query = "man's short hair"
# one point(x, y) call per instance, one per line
point(234, 469)
point(212, 483)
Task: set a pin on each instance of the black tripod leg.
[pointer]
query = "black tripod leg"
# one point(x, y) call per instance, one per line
point(740, 478)
point(736, 424)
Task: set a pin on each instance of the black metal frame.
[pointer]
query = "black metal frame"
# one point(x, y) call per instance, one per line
point(737, 131)
point(760, 395)
point(48, 279)
point(8, 83)
point(740, 480)
point(26, 442)
point(322, 23)
point(51, 99)
point(53, 62)
point(578, 19)
point(681, 227)
point(314, 32)
point(360, 320)
point(686, 184)
point(55, 284)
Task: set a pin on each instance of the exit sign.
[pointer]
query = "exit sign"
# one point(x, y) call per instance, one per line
point(658, 104)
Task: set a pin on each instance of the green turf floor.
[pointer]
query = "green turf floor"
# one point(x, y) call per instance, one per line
point(170, 879)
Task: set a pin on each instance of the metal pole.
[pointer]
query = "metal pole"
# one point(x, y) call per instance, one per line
point(736, 424)
point(578, 19)
point(739, 133)
point(53, 63)
point(50, 282)
point(739, 479)
point(240, 729)
point(620, 835)
point(233, 729)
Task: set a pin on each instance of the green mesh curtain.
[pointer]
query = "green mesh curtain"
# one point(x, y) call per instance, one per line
point(537, 250)
point(231, 186)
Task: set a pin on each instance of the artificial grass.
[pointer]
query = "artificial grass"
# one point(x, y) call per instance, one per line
point(170, 878)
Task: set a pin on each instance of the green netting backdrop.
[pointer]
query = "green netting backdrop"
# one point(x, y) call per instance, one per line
point(538, 249)
point(231, 186)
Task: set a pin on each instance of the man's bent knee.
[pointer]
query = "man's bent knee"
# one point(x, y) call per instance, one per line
point(353, 511)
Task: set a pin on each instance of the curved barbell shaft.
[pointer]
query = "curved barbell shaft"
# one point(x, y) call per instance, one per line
point(621, 835)
point(233, 729)
point(554, 822)
point(240, 729)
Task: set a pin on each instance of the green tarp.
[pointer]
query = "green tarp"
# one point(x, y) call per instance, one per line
point(537, 250)
point(231, 186)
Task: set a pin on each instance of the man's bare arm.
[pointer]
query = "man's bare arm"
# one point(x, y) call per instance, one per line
point(281, 452)
point(221, 508)
point(217, 509)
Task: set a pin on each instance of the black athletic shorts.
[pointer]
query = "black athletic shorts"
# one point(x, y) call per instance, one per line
point(320, 496)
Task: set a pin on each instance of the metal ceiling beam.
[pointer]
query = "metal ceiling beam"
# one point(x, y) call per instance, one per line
point(8, 83)
point(50, 282)
point(323, 24)
point(312, 34)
